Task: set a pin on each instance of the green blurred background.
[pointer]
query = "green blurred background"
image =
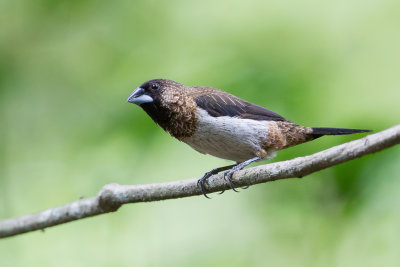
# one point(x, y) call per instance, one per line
point(67, 67)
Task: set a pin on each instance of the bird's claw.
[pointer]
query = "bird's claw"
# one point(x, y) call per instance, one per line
point(228, 178)
point(200, 183)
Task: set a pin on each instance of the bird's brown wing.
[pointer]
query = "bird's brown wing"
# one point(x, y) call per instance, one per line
point(219, 103)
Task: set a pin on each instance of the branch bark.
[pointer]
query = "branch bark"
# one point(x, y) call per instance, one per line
point(112, 196)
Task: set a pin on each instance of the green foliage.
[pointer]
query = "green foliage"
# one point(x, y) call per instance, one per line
point(66, 68)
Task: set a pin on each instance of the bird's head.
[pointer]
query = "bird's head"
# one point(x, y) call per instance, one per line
point(157, 92)
point(167, 103)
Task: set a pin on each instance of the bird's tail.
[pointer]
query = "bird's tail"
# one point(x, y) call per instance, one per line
point(320, 131)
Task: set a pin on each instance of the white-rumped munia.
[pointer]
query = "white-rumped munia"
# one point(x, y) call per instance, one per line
point(220, 124)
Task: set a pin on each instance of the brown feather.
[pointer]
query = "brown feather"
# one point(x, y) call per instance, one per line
point(173, 109)
point(283, 134)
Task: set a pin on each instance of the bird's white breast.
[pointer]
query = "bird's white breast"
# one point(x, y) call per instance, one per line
point(227, 137)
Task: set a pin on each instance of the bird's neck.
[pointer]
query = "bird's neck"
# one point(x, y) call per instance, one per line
point(180, 120)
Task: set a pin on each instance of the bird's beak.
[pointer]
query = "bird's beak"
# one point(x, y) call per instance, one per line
point(139, 97)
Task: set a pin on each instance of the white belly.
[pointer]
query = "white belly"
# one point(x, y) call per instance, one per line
point(228, 137)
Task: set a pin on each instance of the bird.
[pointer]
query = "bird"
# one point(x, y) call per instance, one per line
point(220, 124)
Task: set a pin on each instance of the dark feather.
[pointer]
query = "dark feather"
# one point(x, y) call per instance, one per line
point(224, 104)
point(320, 131)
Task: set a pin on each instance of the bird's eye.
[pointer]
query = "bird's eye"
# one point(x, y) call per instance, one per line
point(154, 86)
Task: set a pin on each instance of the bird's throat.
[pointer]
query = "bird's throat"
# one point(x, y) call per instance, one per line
point(178, 121)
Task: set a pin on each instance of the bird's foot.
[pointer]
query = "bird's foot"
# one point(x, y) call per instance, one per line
point(207, 175)
point(228, 175)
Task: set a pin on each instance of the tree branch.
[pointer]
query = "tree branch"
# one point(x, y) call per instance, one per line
point(112, 196)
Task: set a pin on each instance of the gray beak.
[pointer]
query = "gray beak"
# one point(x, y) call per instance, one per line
point(138, 97)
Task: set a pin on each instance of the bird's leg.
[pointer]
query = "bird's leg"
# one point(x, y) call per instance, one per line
point(238, 167)
point(207, 175)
